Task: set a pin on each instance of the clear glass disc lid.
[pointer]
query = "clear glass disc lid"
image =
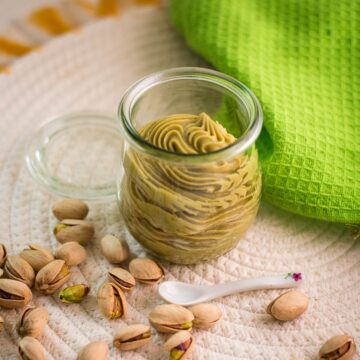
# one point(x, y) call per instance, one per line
point(76, 155)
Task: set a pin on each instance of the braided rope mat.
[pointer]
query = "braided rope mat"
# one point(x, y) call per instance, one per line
point(91, 70)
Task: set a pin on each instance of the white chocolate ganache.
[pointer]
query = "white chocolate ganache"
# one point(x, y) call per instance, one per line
point(189, 213)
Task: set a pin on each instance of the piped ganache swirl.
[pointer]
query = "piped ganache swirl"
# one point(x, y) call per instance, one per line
point(188, 213)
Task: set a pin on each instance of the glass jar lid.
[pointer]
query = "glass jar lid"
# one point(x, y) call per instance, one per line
point(76, 155)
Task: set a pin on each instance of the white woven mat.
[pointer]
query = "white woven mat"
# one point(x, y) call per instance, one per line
point(91, 70)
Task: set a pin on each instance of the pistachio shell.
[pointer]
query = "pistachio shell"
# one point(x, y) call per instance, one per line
point(132, 337)
point(30, 349)
point(52, 276)
point(121, 278)
point(115, 249)
point(170, 318)
point(1, 323)
point(97, 350)
point(70, 209)
point(1, 273)
point(340, 347)
point(3, 254)
point(111, 301)
point(180, 345)
point(32, 321)
point(288, 306)
point(205, 315)
point(37, 256)
point(71, 252)
point(14, 294)
point(74, 293)
point(17, 268)
point(79, 231)
point(146, 270)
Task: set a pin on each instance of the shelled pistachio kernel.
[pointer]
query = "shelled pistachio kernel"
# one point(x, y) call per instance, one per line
point(32, 321)
point(52, 276)
point(30, 349)
point(146, 271)
point(17, 268)
point(340, 347)
point(111, 301)
point(37, 256)
point(180, 345)
point(132, 337)
point(205, 315)
point(79, 231)
point(71, 252)
point(14, 294)
point(121, 278)
point(74, 294)
point(70, 209)
point(170, 318)
point(115, 248)
point(288, 306)
point(96, 350)
point(3, 255)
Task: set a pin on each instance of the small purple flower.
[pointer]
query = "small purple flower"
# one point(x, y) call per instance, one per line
point(297, 276)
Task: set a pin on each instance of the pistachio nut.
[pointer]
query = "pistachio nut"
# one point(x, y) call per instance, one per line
point(3, 254)
point(97, 350)
point(30, 349)
point(71, 252)
point(74, 293)
point(122, 278)
point(37, 256)
point(146, 270)
point(205, 315)
point(14, 294)
point(180, 345)
point(17, 268)
point(1, 323)
point(52, 276)
point(70, 209)
point(115, 248)
point(170, 318)
point(32, 321)
point(111, 301)
point(1, 273)
point(340, 347)
point(132, 337)
point(288, 306)
point(79, 231)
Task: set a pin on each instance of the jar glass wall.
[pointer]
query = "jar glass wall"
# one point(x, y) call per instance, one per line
point(189, 207)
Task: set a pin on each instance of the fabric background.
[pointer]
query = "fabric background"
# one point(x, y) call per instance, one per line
point(302, 59)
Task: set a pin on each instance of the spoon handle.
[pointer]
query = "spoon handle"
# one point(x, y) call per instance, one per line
point(289, 280)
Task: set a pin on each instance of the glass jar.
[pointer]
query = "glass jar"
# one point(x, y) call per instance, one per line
point(183, 207)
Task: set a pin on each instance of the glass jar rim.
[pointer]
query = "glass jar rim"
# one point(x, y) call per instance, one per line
point(136, 91)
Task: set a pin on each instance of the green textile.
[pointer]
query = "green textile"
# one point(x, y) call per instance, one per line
point(302, 60)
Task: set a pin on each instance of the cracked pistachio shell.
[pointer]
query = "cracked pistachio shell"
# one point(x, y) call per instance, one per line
point(52, 276)
point(205, 315)
point(3, 254)
point(70, 209)
point(74, 293)
point(37, 256)
point(146, 270)
point(340, 347)
point(180, 345)
point(288, 306)
point(97, 350)
point(30, 349)
point(72, 253)
point(132, 337)
point(121, 278)
point(79, 231)
point(17, 268)
point(115, 249)
point(14, 294)
point(171, 318)
point(32, 321)
point(111, 301)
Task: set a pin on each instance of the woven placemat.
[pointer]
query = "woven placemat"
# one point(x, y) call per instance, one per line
point(90, 70)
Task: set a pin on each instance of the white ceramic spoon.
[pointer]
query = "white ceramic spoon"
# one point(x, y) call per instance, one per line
point(186, 294)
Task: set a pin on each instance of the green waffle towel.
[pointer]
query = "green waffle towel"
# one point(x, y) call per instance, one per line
point(302, 60)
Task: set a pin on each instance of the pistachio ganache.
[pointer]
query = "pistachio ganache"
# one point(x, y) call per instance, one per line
point(185, 212)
